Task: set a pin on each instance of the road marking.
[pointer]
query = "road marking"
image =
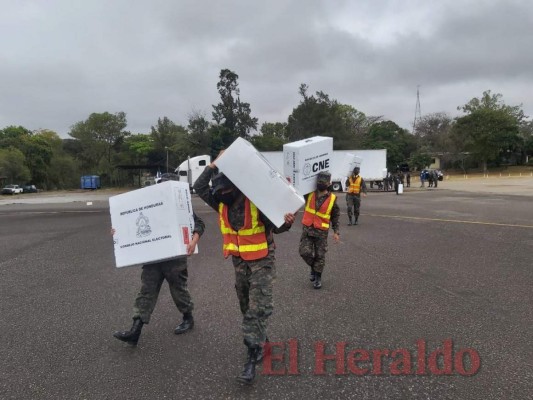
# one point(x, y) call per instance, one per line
point(457, 221)
point(12, 213)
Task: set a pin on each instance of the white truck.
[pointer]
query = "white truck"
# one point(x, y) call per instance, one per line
point(373, 165)
point(190, 169)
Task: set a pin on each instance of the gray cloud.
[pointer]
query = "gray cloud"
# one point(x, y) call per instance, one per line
point(64, 60)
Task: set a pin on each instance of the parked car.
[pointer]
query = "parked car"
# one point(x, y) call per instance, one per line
point(11, 189)
point(29, 189)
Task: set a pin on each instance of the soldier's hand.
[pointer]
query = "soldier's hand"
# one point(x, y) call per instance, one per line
point(190, 248)
point(112, 231)
point(337, 237)
point(192, 244)
point(289, 218)
point(214, 162)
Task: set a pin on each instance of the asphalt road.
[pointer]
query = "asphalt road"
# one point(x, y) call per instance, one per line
point(431, 265)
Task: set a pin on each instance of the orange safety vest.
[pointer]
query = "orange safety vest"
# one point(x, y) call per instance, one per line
point(355, 186)
point(250, 241)
point(319, 219)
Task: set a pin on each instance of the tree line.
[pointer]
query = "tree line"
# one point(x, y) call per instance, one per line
point(489, 133)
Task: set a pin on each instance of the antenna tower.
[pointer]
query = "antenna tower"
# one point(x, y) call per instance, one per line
point(418, 113)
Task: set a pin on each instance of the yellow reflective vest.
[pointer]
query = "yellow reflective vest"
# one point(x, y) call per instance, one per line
point(318, 218)
point(355, 185)
point(249, 242)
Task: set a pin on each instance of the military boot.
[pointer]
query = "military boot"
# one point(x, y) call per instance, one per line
point(312, 275)
point(131, 336)
point(248, 373)
point(350, 221)
point(186, 325)
point(318, 281)
point(355, 222)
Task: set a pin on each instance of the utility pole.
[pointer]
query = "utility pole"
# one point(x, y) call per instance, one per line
point(166, 148)
point(418, 113)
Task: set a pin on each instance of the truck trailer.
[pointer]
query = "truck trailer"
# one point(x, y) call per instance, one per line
point(373, 166)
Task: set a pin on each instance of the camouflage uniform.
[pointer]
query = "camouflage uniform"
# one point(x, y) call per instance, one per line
point(314, 242)
point(353, 200)
point(152, 277)
point(253, 279)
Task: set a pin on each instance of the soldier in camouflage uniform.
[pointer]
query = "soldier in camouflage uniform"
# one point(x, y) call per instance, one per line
point(254, 277)
point(152, 277)
point(316, 223)
point(356, 186)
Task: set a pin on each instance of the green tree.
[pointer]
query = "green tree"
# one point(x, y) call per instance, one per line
point(100, 136)
point(200, 135)
point(489, 101)
point(12, 135)
point(38, 153)
point(388, 135)
point(526, 133)
point(137, 148)
point(36, 147)
point(490, 130)
point(420, 159)
point(487, 134)
point(271, 138)
point(433, 132)
point(319, 115)
point(231, 114)
point(59, 169)
point(12, 166)
point(169, 139)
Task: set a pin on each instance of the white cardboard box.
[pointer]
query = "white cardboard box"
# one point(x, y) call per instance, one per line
point(350, 162)
point(304, 159)
point(152, 224)
point(259, 181)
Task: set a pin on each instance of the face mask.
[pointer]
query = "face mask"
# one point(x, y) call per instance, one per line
point(226, 198)
point(322, 186)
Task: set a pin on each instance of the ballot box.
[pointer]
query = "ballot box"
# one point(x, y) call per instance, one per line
point(259, 181)
point(350, 162)
point(304, 159)
point(152, 224)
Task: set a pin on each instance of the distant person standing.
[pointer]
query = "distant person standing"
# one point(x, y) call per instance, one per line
point(386, 182)
point(408, 179)
point(356, 185)
point(435, 178)
point(422, 178)
point(398, 179)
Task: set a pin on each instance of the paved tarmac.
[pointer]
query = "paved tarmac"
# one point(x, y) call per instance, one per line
point(431, 265)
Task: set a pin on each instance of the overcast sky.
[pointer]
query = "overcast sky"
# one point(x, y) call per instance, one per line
point(60, 61)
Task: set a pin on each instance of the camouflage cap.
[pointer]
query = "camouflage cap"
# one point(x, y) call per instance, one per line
point(323, 177)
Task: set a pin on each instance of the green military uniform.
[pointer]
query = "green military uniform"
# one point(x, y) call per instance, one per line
point(353, 200)
point(314, 242)
point(253, 279)
point(152, 277)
